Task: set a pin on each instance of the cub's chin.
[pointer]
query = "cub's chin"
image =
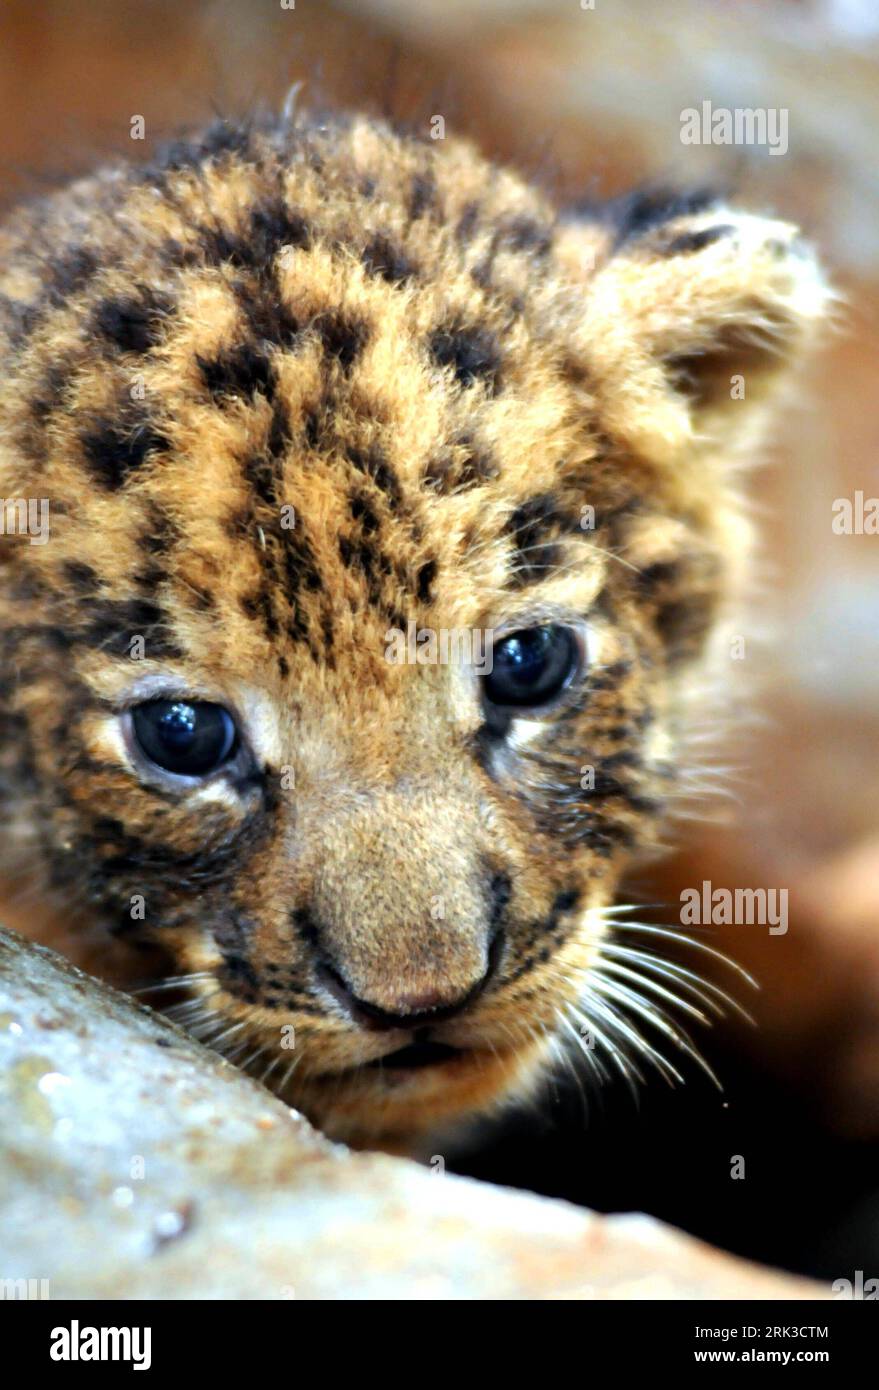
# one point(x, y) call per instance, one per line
point(395, 1104)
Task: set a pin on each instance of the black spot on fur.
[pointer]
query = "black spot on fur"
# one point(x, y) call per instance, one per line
point(158, 532)
point(243, 371)
point(132, 324)
point(114, 449)
point(477, 468)
point(634, 214)
point(222, 137)
point(530, 525)
point(343, 337)
point(472, 353)
point(50, 394)
point(611, 675)
point(305, 925)
point(279, 431)
point(527, 234)
point(328, 634)
point(444, 477)
point(80, 576)
point(362, 511)
point(422, 196)
point(565, 901)
point(439, 475)
point(426, 577)
point(317, 424)
point(112, 624)
point(683, 625)
point(688, 242)
point(238, 970)
point(221, 246)
point(628, 758)
point(658, 576)
point(300, 564)
point(54, 638)
point(262, 471)
point(270, 320)
point(382, 257)
point(65, 275)
point(467, 222)
point(367, 560)
point(70, 272)
point(274, 227)
point(249, 605)
point(260, 606)
point(373, 463)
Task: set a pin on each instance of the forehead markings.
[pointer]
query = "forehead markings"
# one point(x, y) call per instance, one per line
point(63, 276)
point(115, 447)
point(462, 465)
point(272, 227)
point(132, 323)
point(473, 353)
point(423, 195)
point(382, 256)
point(531, 526)
point(117, 440)
point(244, 370)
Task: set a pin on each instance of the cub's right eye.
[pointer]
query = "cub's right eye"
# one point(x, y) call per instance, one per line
point(190, 740)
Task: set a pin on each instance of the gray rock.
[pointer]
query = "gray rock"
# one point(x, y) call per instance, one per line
point(134, 1163)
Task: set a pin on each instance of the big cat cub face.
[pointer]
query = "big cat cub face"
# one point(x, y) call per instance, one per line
point(391, 516)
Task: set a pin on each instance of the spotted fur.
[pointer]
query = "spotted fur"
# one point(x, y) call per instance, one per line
point(485, 414)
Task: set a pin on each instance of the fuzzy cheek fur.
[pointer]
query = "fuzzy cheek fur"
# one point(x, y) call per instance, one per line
point(295, 387)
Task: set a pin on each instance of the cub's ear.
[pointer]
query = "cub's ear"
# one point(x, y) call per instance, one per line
point(692, 314)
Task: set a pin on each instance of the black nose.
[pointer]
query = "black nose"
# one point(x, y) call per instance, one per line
point(423, 1012)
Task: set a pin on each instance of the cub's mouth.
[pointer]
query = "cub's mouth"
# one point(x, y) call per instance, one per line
point(418, 1055)
point(391, 1102)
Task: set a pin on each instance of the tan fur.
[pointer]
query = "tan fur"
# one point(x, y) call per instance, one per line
point(295, 280)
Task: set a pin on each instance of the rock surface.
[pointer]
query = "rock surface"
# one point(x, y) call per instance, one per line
point(134, 1163)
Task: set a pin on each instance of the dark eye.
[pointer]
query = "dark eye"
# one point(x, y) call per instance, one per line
point(191, 740)
point(532, 666)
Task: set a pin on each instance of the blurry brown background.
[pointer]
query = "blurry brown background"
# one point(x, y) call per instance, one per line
point(589, 101)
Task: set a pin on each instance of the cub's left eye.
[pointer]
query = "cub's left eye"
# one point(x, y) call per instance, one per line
point(188, 739)
point(531, 667)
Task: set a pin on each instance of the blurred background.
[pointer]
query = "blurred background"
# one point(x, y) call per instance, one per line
point(587, 99)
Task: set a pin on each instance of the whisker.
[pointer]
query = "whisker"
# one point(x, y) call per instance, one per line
point(687, 940)
point(612, 968)
point(625, 1064)
point(174, 982)
point(253, 1058)
point(584, 1048)
point(270, 1068)
point(644, 1008)
point(617, 1022)
point(231, 1032)
point(712, 996)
